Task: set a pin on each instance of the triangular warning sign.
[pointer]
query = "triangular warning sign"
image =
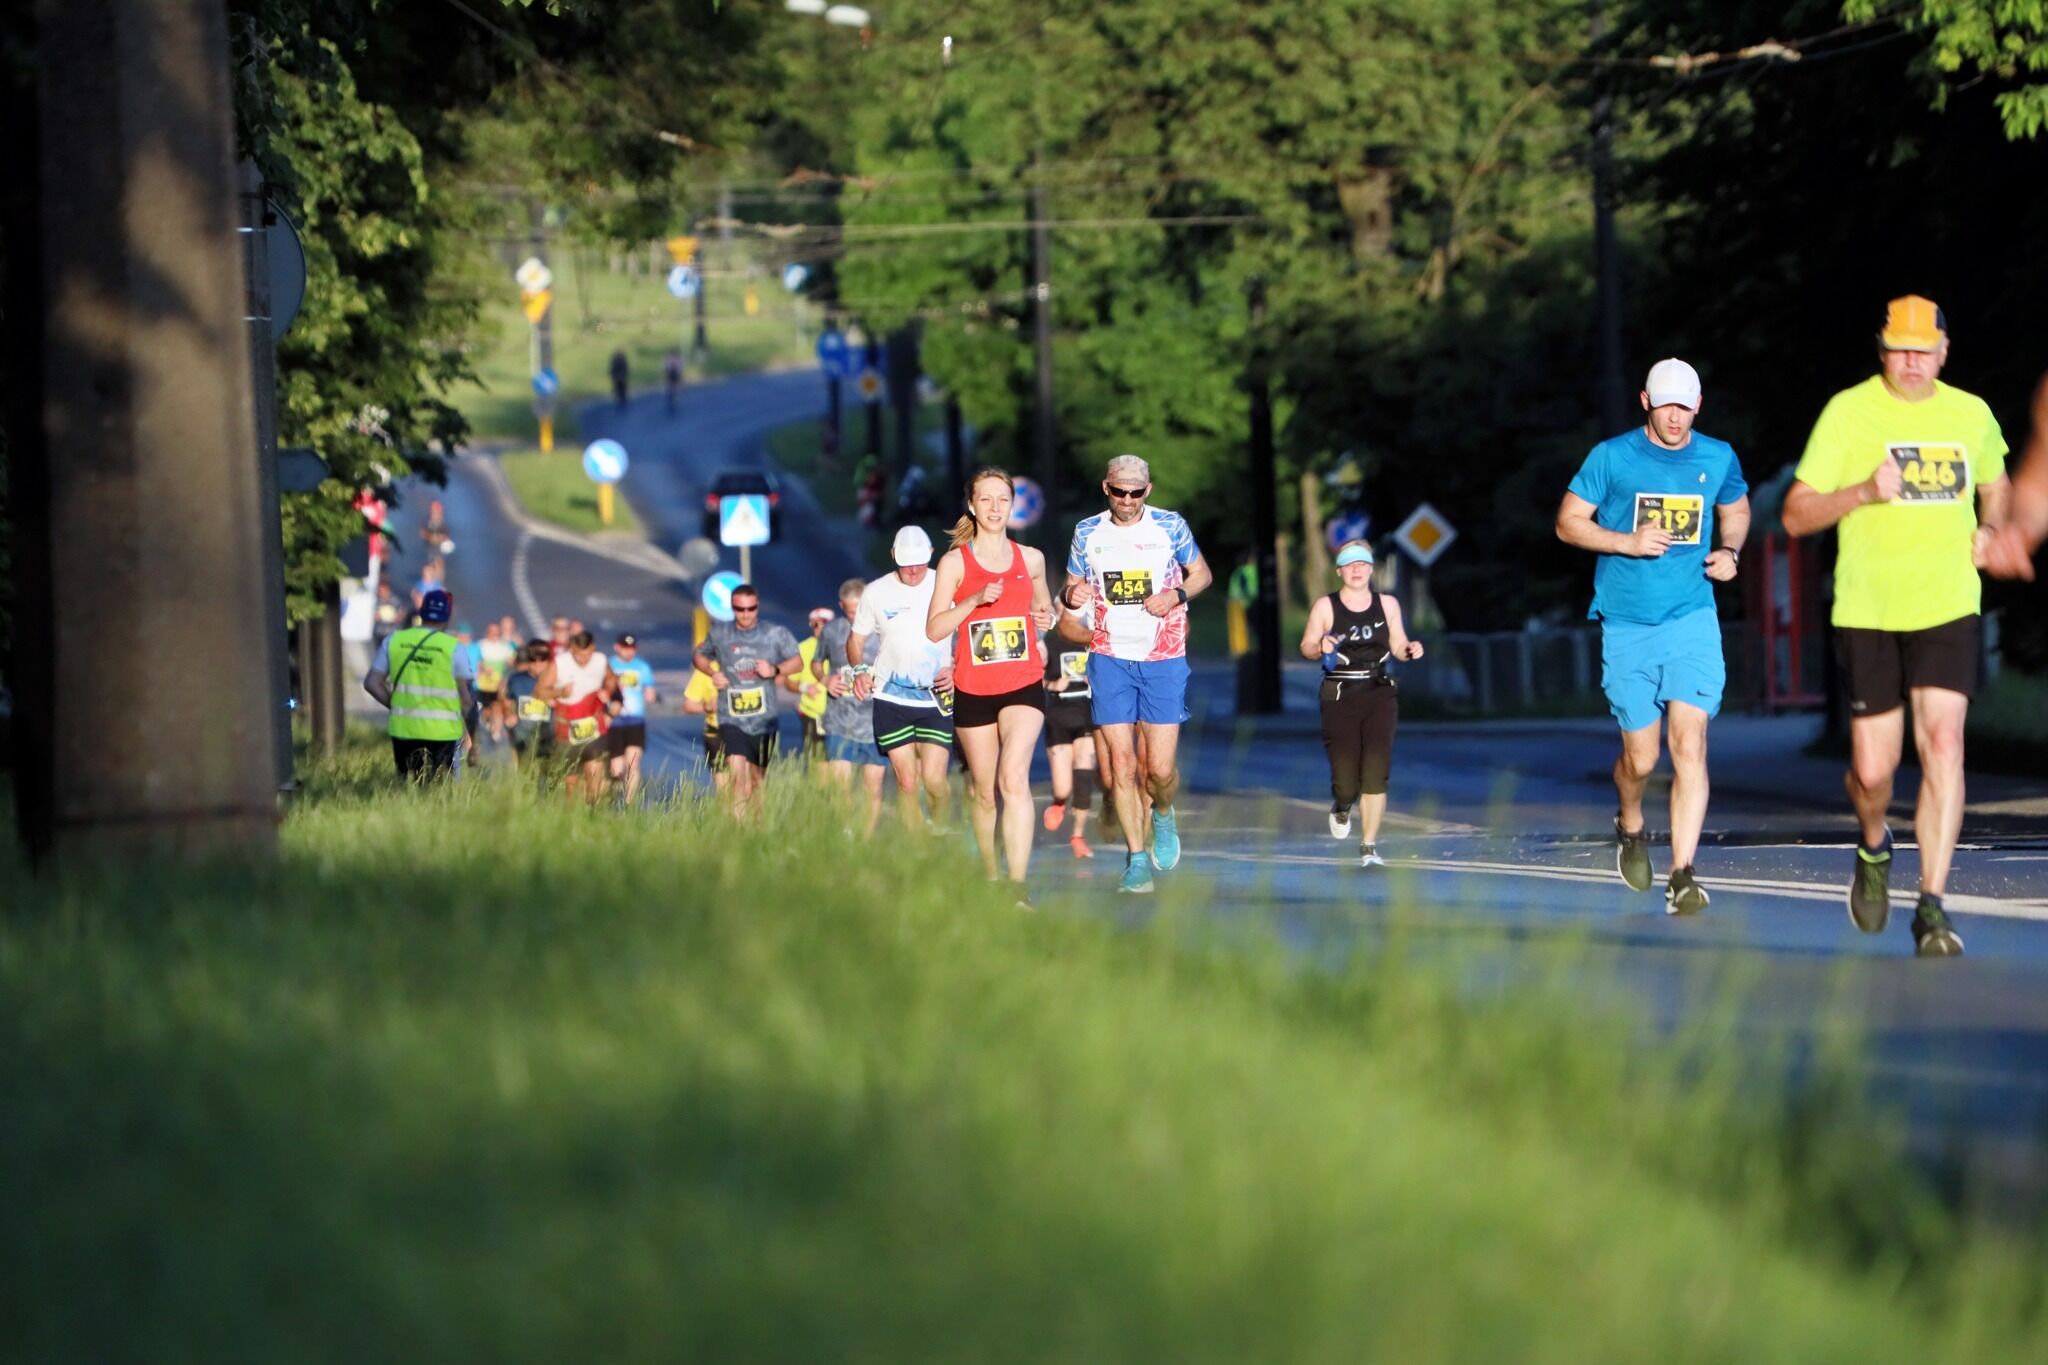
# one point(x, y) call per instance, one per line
point(743, 523)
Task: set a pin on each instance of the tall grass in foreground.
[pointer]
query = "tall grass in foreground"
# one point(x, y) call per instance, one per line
point(472, 1076)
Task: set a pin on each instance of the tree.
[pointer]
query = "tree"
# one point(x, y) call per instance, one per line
point(2006, 42)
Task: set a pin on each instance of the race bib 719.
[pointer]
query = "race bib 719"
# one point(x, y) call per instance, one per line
point(1931, 473)
point(1680, 515)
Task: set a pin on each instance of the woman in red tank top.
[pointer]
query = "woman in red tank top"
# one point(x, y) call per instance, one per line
point(990, 596)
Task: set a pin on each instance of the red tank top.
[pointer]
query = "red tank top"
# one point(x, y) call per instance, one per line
point(996, 648)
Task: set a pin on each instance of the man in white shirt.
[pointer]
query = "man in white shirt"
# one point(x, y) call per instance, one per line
point(911, 678)
point(1140, 566)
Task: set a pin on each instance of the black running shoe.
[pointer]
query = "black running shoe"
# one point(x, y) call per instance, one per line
point(1870, 889)
point(1632, 856)
point(1933, 935)
point(1684, 896)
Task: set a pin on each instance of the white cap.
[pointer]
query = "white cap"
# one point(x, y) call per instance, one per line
point(912, 546)
point(1673, 381)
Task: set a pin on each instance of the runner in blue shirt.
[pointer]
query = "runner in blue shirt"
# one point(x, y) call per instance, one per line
point(1666, 509)
point(628, 735)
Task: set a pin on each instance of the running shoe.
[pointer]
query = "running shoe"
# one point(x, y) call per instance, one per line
point(1165, 840)
point(1933, 935)
point(1137, 876)
point(1080, 847)
point(1870, 888)
point(1340, 823)
point(1055, 813)
point(1684, 895)
point(1632, 856)
point(1369, 856)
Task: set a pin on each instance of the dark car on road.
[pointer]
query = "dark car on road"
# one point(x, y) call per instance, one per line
point(731, 481)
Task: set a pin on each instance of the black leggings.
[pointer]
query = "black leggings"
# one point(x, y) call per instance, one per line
point(1358, 733)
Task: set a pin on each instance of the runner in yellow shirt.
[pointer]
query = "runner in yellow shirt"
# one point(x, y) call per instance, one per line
point(1913, 474)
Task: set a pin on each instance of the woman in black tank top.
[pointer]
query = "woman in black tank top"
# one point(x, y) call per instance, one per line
point(1354, 632)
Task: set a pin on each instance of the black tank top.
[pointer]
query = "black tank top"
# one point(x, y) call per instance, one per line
point(1361, 639)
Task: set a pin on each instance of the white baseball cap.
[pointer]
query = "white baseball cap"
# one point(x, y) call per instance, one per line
point(1673, 381)
point(912, 546)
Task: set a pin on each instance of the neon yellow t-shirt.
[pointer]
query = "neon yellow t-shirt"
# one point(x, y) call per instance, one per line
point(700, 688)
point(1905, 565)
point(811, 696)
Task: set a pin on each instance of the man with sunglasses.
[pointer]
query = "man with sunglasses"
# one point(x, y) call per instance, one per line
point(1140, 567)
point(747, 661)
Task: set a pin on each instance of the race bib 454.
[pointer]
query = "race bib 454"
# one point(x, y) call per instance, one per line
point(1679, 515)
point(1126, 587)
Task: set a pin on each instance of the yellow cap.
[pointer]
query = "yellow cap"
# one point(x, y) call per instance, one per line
point(1913, 324)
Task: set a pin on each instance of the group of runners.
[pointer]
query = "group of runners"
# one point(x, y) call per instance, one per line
point(980, 654)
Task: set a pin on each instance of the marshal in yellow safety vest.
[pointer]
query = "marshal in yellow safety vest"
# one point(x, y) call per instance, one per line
point(425, 703)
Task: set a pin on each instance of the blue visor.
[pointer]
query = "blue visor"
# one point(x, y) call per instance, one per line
point(1353, 554)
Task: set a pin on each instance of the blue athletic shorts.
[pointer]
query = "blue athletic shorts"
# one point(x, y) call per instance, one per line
point(1644, 668)
point(845, 749)
point(1126, 691)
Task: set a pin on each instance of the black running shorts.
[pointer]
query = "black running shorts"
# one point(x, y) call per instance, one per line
point(971, 709)
point(1881, 667)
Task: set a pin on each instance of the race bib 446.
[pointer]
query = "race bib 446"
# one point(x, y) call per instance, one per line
point(1931, 472)
point(1678, 514)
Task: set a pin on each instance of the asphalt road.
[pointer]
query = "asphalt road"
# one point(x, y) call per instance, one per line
point(1498, 842)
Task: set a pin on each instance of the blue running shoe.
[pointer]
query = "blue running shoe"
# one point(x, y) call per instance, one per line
point(1137, 876)
point(1165, 840)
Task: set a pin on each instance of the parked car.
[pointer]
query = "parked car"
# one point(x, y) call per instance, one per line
point(732, 481)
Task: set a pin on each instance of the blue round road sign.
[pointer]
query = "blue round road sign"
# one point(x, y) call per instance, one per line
point(1027, 504)
point(546, 383)
point(1350, 525)
point(684, 281)
point(794, 275)
point(717, 594)
point(835, 357)
point(604, 461)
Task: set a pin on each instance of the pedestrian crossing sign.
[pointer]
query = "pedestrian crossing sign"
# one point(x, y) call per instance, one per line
point(1425, 535)
point(743, 519)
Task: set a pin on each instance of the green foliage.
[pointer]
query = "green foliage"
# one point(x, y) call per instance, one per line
point(2003, 40)
point(554, 488)
point(475, 1075)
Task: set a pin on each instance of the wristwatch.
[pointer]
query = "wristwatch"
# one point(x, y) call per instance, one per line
point(1183, 594)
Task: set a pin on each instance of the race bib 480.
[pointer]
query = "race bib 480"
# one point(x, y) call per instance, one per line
point(1126, 587)
point(999, 640)
point(1931, 473)
point(1679, 514)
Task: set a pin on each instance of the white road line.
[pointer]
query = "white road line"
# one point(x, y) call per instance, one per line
point(2034, 910)
point(522, 588)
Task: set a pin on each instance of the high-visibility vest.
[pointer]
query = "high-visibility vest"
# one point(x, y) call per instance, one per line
point(810, 704)
point(424, 701)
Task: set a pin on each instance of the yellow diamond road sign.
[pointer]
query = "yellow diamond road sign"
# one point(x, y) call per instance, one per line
point(1425, 535)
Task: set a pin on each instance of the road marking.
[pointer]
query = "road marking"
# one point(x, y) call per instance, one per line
point(2033, 910)
point(522, 588)
point(1392, 817)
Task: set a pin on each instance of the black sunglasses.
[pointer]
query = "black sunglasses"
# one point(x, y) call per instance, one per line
point(738, 608)
point(1115, 492)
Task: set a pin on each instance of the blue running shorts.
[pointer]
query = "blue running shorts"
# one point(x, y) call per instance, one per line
point(1644, 668)
point(1126, 691)
point(846, 749)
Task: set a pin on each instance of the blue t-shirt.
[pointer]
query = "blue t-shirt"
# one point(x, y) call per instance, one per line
point(1631, 480)
point(635, 677)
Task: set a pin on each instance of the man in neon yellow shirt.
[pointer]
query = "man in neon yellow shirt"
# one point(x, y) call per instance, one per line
point(1913, 473)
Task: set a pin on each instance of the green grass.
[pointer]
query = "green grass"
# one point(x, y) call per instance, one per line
point(597, 312)
point(554, 488)
point(797, 448)
point(476, 1076)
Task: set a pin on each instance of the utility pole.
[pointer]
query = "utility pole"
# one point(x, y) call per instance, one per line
point(1613, 407)
point(543, 333)
point(272, 648)
point(142, 502)
point(1264, 693)
point(1042, 429)
point(700, 344)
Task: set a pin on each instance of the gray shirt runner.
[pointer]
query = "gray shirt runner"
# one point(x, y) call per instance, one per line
point(748, 703)
point(844, 716)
